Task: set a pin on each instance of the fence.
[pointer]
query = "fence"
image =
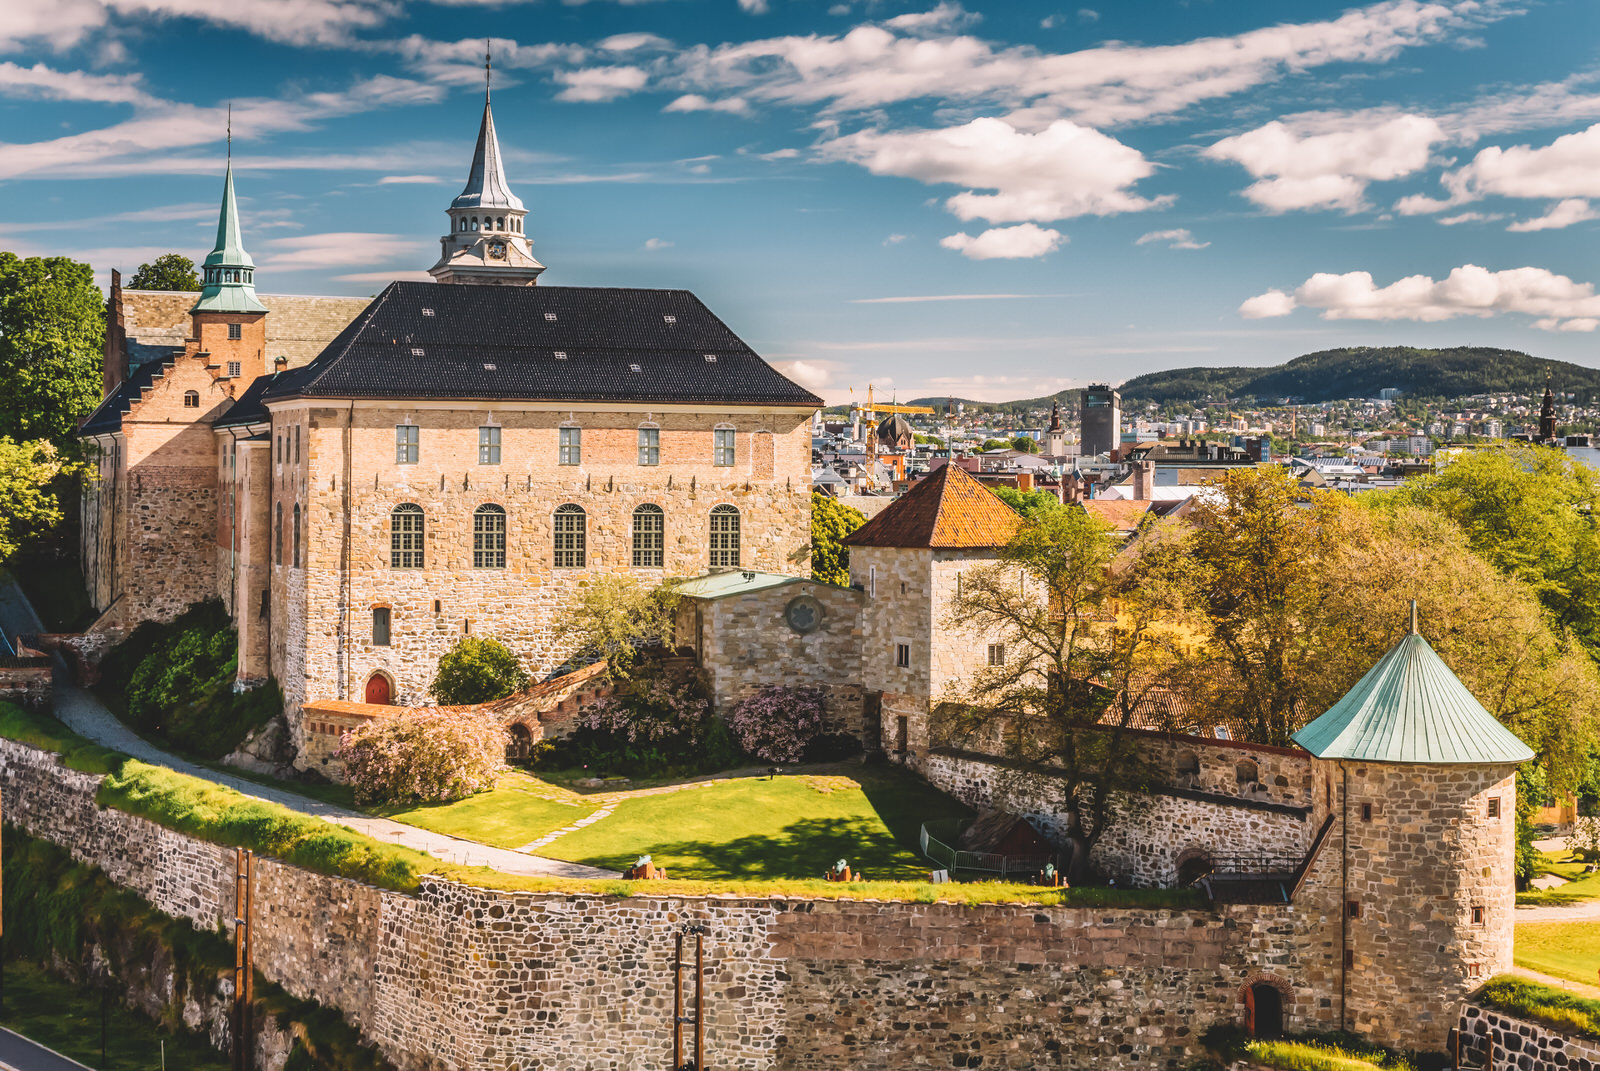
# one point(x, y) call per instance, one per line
point(937, 839)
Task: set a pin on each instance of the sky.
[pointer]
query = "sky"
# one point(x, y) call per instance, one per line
point(986, 200)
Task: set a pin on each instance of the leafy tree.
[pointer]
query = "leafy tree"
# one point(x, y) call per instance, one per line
point(52, 332)
point(656, 722)
point(616, 617)
point(477, 670)
point(996, 444)
point(27, 502)
point(423, 755)
point(169, 271)
point(831, 521)
point(1085, 647)
point(1028, 503)
point(1025, 443)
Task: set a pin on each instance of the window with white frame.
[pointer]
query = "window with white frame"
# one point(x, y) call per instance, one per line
point(489, 445)
point(649, 446)
point(235, 331)
point(725, 537)
point(571, 452)
point(489, 537)
point(407, 442)
point(649, 537)
point(571, 531)
point(722, 447)
point(234, 369)
point(405, 536)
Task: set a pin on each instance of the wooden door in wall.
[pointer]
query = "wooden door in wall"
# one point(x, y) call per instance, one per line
point(378, 689)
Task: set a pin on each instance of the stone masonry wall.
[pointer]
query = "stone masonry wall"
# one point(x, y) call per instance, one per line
point(459, 977)
point(26, 681)
point(1491, 1038)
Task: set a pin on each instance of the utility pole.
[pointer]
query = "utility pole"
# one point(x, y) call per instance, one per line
point(243, 960)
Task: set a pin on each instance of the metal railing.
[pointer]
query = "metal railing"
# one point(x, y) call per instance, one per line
point(937, 845)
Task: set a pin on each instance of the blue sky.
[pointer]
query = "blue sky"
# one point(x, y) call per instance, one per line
point(992, 200)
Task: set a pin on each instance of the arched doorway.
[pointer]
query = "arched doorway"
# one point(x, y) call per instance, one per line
point(519, 745)
point(1193, 865)
point(1263, 1011)
point(378, 691)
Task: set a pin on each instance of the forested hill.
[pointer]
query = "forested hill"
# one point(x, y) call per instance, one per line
point(1356, 372)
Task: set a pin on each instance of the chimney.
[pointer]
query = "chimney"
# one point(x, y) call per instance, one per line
point(280, 364)
point(114, 366)
point(1143, 477)
point(1024, 481)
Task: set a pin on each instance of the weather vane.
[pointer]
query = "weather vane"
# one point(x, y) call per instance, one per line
point(485, 68)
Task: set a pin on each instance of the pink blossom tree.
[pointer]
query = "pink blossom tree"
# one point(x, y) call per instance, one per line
point(777, 724)
point(423, 756)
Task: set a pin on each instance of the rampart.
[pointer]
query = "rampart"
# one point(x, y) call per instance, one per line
point(1489, 1038)
point(462, 977)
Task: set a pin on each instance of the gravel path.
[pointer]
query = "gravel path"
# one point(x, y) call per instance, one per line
point(85, 715)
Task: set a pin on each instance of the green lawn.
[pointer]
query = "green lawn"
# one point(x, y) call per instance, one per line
point(1579, 887)
point(67, 1019)
point(793, 826)
point(511, 814)
point(1569, 950)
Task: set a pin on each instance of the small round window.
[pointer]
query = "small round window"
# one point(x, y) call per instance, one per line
point(803, 614)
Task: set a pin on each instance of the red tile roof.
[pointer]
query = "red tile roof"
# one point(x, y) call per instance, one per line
point(949, 509)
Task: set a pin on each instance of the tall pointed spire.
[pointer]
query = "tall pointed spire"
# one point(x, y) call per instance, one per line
point(486, 182)
point(229, 281)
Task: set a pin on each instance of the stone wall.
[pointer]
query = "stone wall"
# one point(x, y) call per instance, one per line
point(26, 681)
point(1491, 1038)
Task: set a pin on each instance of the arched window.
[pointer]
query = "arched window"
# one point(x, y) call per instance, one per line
point(571, 536)
point(649, 537)
point(277, 554)
point(474, 222)
point(405, 537)
point(725, 536)
point(191, 399)
point(463, 222)
point(1246, 772)
point(489, 537)
point(500, 223)
point(296, 548)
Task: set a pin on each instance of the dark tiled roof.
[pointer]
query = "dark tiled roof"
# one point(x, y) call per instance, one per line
point(247, 408)
point(500, 342)
point(107, 416)
point(948, 509)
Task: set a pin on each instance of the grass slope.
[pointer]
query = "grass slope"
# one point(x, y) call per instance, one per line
point(513, 813)
point(1580, 887)
point(1569, 950)
point(793, 826)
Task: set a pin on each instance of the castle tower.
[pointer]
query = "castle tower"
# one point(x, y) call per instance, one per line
point(487, 242)
point(1420, 782)
point(228, 321)
point(1547, 413)
point(1055, 440)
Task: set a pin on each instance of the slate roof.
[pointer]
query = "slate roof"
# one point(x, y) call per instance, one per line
point(1411, 708)
point(107, 416)
point(504, 342)
point(948, 509)
point(247, 408)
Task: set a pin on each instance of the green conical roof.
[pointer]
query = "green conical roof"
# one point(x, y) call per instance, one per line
point(228, 273)
point(1411, 708)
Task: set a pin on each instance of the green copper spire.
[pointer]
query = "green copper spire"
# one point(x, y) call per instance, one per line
point(230, 274)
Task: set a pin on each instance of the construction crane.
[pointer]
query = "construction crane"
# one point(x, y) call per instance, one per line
point(872, 408)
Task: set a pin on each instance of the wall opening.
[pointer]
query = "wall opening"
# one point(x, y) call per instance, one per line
point(520, 745)
point(1193, 865)
point(1263, 1009)
point(379, 691)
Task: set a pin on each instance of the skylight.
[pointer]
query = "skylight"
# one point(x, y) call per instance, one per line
point(550, 316)
point(416, 351)
point(427, 312)
point(634, 367)
point(669, 318)
point(711, 358)
point(561, 355)
point(490, 367)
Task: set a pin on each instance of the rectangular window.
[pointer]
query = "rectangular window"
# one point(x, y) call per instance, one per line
point(649, 446)
point(1494, 806)
point(649, 537)
point(297, 444)
point(722, 440)
point(488, 445)
point(1352, 909)
point(872, 581)
point(406, 444)
point(997, 654)
point(233, 369)
point(489, 538)
point(405, 537)
point(380, 626)
point(1366, 812)
point(1477, 916)
point(571, 446)
point(902, 655)
point(235, 330)
point(1349, 958)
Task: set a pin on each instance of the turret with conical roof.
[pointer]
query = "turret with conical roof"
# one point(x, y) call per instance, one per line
point(229, 280)
point(487, 242)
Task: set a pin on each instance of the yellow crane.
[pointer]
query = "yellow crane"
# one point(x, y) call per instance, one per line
point(872, 408)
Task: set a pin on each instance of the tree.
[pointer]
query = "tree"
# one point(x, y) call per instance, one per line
point(616, 617)
point(1027, 444)
point(831, 521)
point(778, 724)
point(1028, 503)
point(169, 271)
point(996, 444)
point(423, 755)
point(477, 670)
point(28, 504)
point(1085, 646)
point(52, 332)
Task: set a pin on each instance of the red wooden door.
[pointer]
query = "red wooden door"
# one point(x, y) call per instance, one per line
point(1249, 1002)
point(378, 689)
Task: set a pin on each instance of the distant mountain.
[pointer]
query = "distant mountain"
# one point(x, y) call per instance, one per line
point(1331, 375)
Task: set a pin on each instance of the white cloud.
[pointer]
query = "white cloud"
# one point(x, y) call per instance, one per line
point(1088, 14)
point(600, 83)
point(1049, 22)
point(997, 243)
point(947, 16)
point(332, 250)
point(779, 154)
point(895, 239)
point(1467, 291)
point(657, 243)
point(61, 24)
point(44, 83)
point(1063, 171)
point(1178, 238)
point(1469, 217)
point(694, 102)
point(754, 7)
point(1302, 164)
point(383, 278)
point(814, 376)
point(411, 180)
point(629, 42)
point(1561, 214)
point(1568, 167)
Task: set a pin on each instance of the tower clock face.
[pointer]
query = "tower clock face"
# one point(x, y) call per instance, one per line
point(497, 249)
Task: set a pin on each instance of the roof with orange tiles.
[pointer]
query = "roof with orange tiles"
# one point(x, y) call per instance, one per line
point(1122, 514)
point(948, 509)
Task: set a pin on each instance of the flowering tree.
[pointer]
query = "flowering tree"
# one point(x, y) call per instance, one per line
point(657, 721)
point(423, 756)
point(777, 724)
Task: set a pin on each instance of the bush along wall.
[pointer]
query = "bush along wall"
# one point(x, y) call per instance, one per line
point(175, 681)
point(74, 921)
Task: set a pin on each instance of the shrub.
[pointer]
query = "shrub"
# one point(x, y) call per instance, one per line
point(1554, 1007)
point(1306, 1056)
point(655, 723)
point(778, 724)
point(423, 756)
point(477, 670)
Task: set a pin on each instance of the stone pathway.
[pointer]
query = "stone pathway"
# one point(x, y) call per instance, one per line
point(85, 715)
point(554, 835)
point(1557, 983)
point(1583, 911)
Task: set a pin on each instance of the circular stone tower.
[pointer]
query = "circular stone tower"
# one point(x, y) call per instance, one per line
point(1420, 782)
